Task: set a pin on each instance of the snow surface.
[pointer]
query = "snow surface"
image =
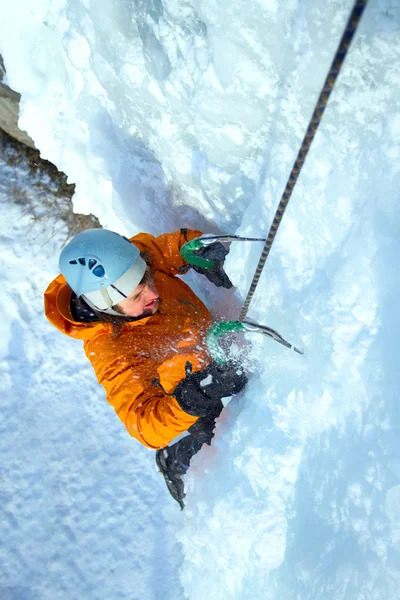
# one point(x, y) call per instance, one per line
point(178, 113)
point(81, 501)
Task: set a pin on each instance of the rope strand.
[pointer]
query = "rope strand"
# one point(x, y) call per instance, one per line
point(322, 101)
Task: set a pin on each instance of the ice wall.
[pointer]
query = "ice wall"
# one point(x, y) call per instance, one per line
point(163, 107)
point(176, 113)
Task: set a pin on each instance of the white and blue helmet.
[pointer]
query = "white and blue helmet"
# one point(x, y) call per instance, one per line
point(102, 266)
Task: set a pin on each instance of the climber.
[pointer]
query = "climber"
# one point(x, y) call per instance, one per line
point(144, 333)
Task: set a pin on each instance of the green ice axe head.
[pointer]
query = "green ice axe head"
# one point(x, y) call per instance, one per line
point(188, 253)
point(215, 332)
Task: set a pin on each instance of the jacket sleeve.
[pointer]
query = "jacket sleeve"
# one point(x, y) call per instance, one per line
point(165, 248)
point(149, 415)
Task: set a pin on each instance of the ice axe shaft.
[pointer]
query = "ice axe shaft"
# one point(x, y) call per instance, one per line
point(209, 239)
point(223, 327)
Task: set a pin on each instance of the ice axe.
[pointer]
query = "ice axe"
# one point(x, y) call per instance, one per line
point(188, 250)
point(188, 253)
point(215, 331)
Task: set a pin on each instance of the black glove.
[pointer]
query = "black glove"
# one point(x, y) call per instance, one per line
point(200, 393)
point(215, 252)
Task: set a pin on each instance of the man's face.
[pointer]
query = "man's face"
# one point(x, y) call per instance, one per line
point(142, 302)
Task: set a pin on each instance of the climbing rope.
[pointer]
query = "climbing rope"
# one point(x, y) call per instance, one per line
point(330, 80)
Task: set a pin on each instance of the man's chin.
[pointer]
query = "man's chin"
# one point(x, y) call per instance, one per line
point(150, 311)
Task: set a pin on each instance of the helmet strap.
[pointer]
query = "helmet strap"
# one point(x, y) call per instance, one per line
point(109, 310)
point(106, 297)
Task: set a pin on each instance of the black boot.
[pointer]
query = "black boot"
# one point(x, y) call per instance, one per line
point(173, 462)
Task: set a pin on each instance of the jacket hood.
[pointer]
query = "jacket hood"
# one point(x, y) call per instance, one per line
point(57, 299)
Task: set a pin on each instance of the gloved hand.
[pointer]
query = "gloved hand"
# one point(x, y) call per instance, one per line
point(215, 252)
point(199, 393)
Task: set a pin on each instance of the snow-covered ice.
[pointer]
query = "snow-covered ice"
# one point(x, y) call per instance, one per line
point(178, 113)
point(81, 502)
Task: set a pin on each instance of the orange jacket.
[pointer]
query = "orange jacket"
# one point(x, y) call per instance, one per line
point(154, 347)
